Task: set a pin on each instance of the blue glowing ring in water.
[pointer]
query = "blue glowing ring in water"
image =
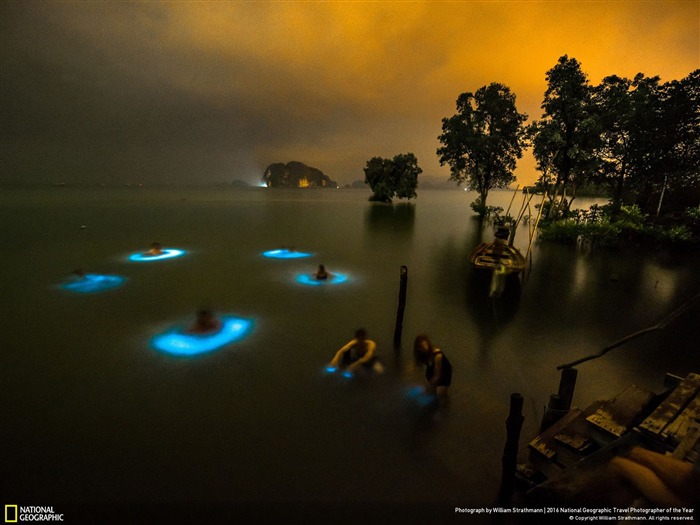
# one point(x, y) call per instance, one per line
point(285, 254)
point(168, 253)
point(93, 282)
point(177, 342)
point(309, 279)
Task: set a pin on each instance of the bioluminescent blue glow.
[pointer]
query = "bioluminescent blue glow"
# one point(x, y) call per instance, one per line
point(286, 254)
point(309, 279)
point(93, 282)
point(419, 396)
point(180, 343)
point(334, 370)
point(168, 253)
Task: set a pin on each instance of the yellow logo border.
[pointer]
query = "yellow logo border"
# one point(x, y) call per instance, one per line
point(7, 519)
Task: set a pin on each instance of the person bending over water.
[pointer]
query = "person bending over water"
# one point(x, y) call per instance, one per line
point(206, 323)
point(156, 249)
point(359, 352)
point(321, 274)
point(438, 370)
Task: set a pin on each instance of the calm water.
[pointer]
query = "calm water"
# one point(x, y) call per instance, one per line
point(92, 416)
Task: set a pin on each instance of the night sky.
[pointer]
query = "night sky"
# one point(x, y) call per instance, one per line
point(208, 92)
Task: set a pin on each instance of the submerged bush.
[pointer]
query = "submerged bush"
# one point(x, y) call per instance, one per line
point(484, 211)
point(597, 226)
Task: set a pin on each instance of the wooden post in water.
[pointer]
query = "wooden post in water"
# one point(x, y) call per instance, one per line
point(566, 387)
point(552, 412)
point(514, 424)
point(402, 305)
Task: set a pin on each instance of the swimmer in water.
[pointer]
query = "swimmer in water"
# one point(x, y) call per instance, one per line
point(359, 352)
point(156, 249)
point(321, 274)
point(438, 370)
point(206, 323)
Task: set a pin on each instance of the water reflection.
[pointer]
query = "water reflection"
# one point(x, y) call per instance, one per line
point(491, 314)
point(391, 218)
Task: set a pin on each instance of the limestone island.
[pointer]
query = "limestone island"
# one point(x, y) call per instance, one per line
point(296, 175)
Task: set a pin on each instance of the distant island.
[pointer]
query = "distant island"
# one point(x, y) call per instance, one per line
point(296, 175)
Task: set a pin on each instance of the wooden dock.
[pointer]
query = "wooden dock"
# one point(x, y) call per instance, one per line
point(569, 453)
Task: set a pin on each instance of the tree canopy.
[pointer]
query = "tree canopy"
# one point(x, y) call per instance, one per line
point(389, 178)
point(638, 136)
point(564, 139)
point(483, 140)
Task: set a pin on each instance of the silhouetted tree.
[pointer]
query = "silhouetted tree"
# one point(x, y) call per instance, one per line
point(389, 178)
point(483, 140)
point(564, 139)
point(614, 105)
point(649, 143)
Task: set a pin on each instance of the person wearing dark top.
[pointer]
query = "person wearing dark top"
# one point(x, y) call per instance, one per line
point(438, 369)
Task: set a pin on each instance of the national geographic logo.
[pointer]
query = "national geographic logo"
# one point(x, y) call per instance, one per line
point(22, 514)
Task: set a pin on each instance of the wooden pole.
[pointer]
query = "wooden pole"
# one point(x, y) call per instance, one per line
point(514, 424)
point(402, 305)
point(552, 412)
point(566, 387)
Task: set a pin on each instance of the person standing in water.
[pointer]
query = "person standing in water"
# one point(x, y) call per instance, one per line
point(438, 370)
point(360, 351)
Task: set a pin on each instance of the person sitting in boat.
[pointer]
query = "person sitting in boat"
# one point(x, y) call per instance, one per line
point(321, 274)
point(206, 323)
point(438, 370)
point(156, 249)
point(359, 352)
point(501, 238)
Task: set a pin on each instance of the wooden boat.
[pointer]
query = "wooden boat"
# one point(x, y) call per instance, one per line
point(498, 255)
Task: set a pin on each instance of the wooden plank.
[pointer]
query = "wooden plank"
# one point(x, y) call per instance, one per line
point(690, 439)
point(544, 443)
point(575, 441)
point(677, 429)
point(667, 411)
point(618, 414)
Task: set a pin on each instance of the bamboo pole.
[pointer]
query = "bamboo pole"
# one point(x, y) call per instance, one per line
point(512, 199)
point(534, 229)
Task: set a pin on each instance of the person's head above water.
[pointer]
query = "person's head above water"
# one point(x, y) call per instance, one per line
point(206, 321)
point(422, 347)
point(360, 334)
point(156, 248)
point(321, 273)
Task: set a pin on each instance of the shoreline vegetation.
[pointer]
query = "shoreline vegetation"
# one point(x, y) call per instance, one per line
point(607, 226)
